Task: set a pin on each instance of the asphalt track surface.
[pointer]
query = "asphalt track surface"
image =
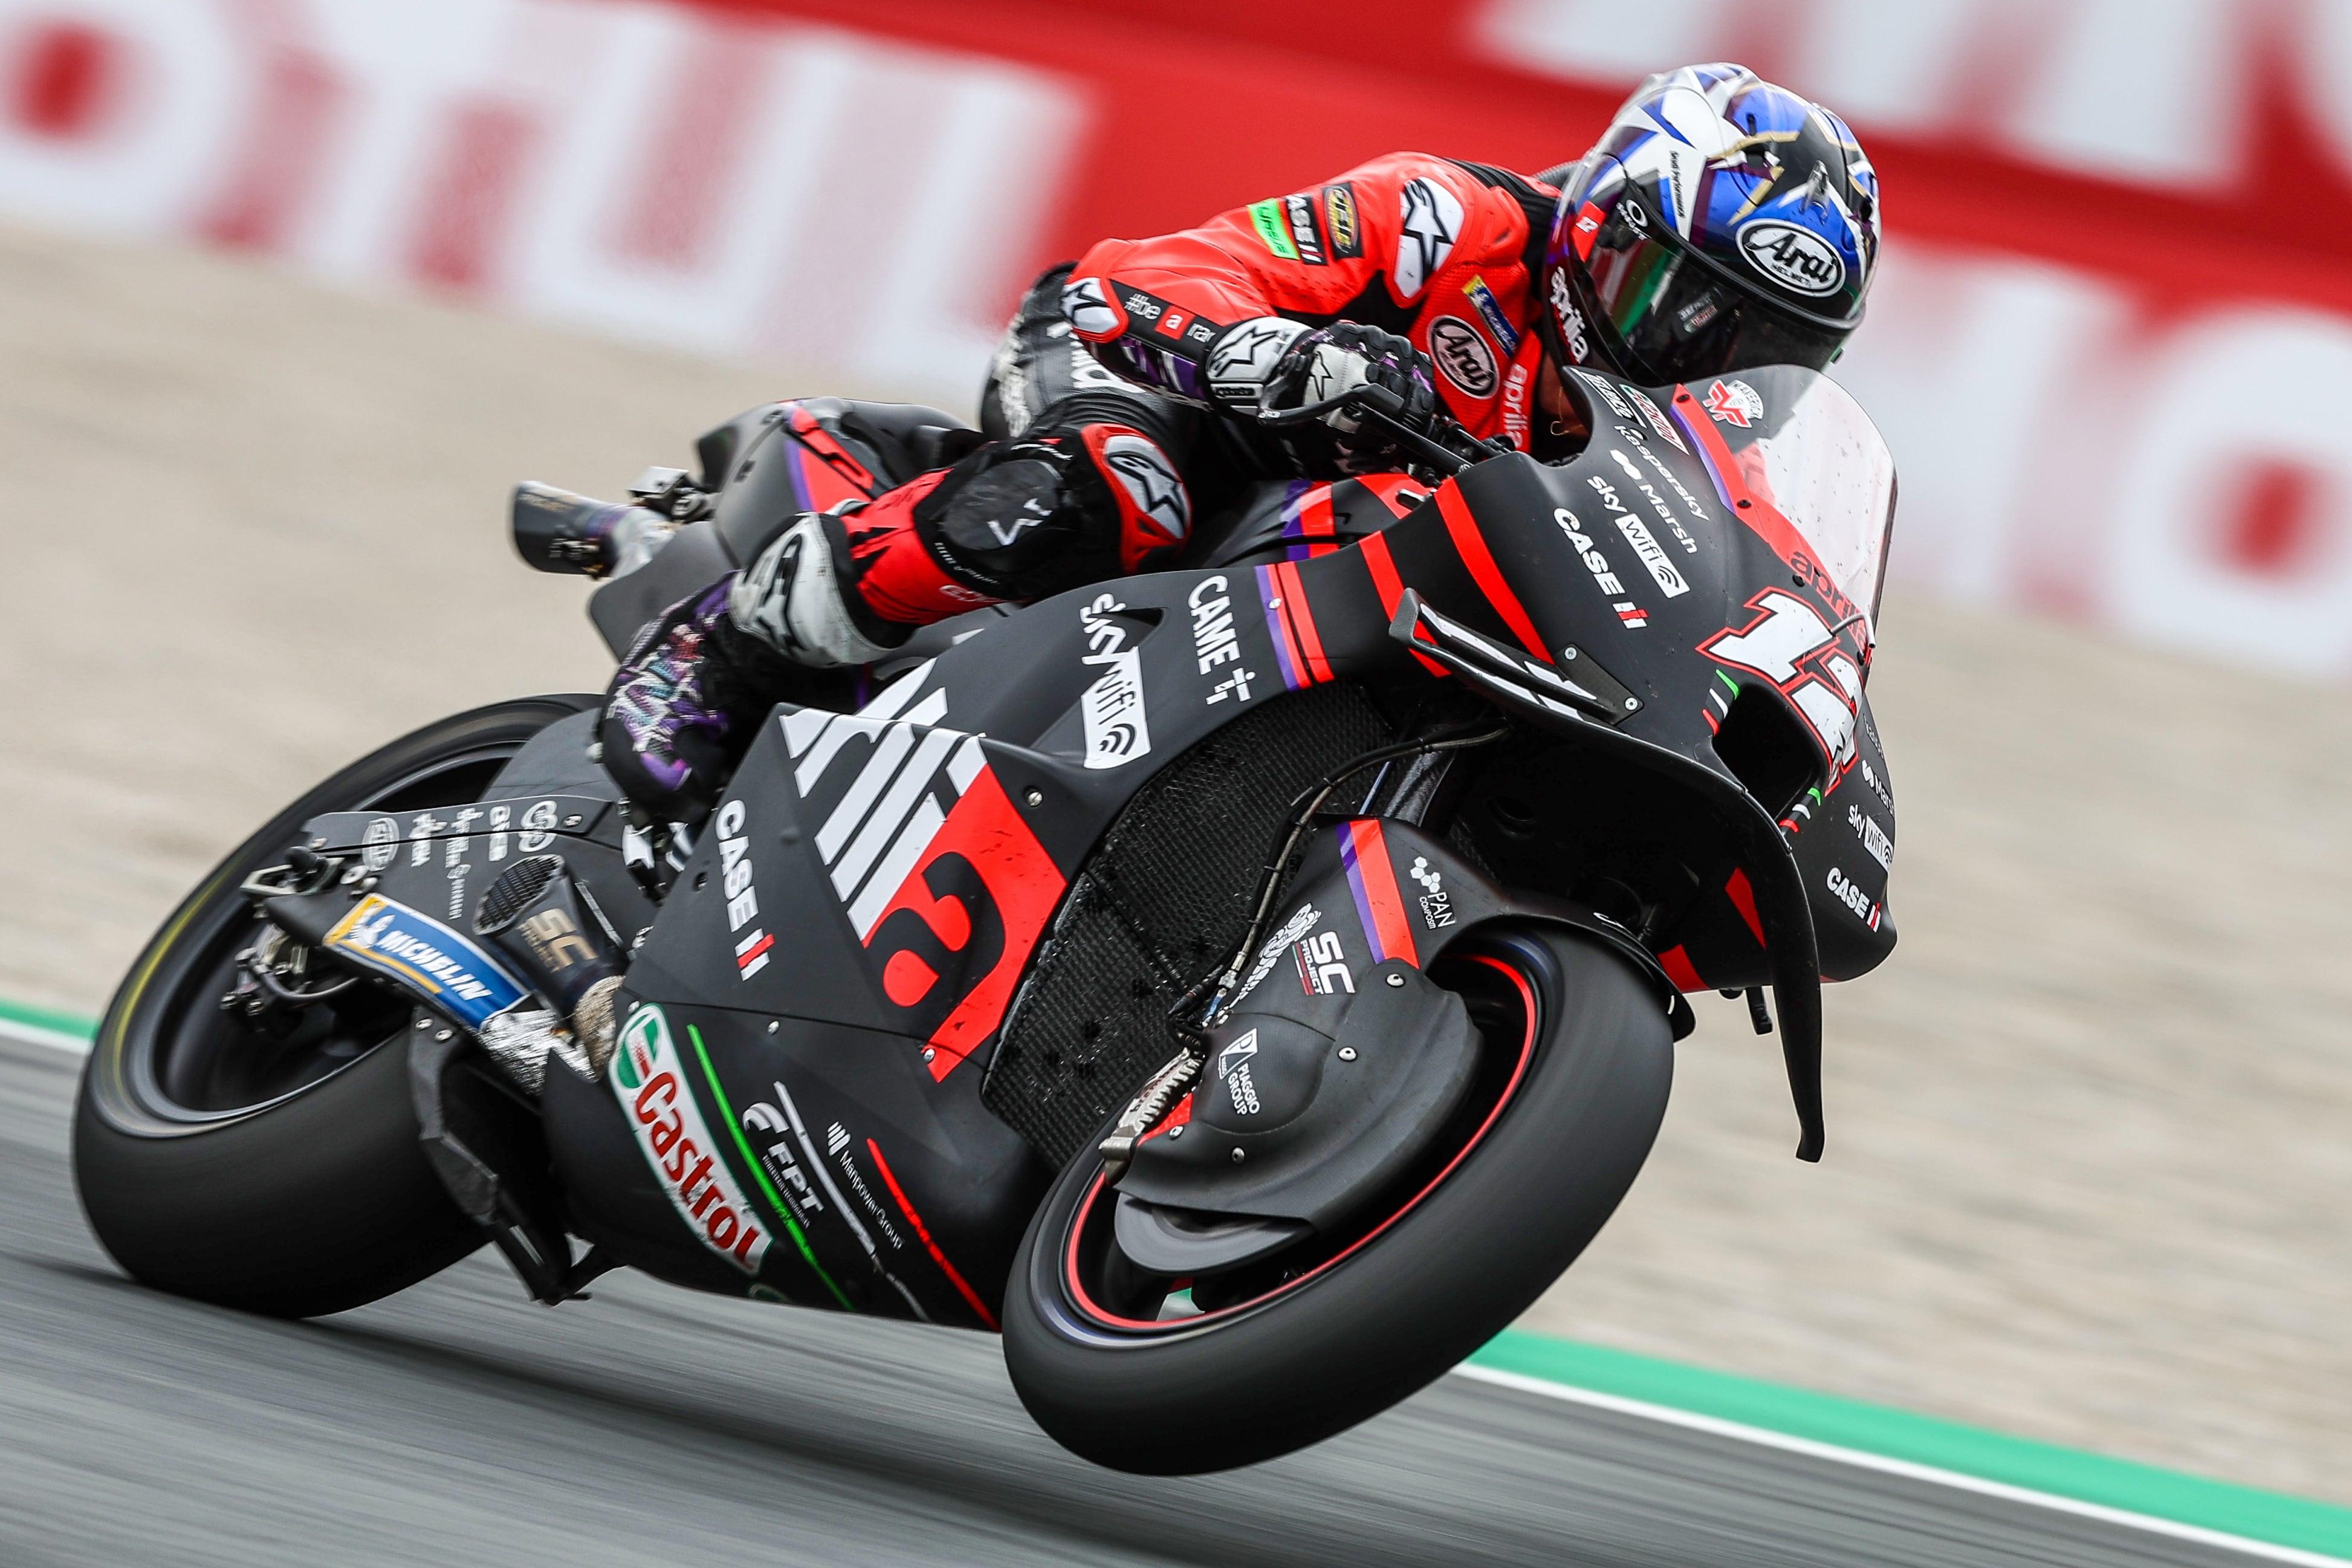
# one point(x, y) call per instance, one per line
point(455, 1423)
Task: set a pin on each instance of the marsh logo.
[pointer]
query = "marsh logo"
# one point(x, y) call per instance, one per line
point(1798, 259)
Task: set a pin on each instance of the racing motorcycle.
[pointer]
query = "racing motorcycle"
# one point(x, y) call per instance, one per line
point(1245, 988)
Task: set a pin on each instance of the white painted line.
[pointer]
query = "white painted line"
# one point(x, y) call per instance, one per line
point(1903, 1467)
point(34, 1035)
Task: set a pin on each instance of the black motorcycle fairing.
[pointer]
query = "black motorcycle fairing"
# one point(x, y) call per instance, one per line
point(873, 1191)
point(1339, 1061)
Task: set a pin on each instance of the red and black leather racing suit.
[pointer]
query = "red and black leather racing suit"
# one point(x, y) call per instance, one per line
point(1104, 454)
point(1444, 253)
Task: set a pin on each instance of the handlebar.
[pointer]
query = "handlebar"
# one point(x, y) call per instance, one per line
point(1382, 407)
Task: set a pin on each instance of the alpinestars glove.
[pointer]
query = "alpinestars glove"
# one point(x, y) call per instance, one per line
point(1320, 366)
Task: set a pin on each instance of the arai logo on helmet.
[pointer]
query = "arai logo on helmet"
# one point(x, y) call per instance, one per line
point(1796, 258)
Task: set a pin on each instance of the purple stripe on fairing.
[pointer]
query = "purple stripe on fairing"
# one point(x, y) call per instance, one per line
point(1293, 524)
point(1356, 887)
point(1698, 449)
point(1268, 594)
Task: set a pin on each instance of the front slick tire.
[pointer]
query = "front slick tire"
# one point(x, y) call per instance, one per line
point(1313, 1355)
point(280, 1174)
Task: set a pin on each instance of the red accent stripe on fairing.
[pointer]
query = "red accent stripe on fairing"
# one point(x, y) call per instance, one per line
point(1677, 965)
point(1471, 545)
point(1381, 893)
point(899, 1196)
point(1743, 898)
point(1302, 620)
point(1314, 520)
point(1391, 588)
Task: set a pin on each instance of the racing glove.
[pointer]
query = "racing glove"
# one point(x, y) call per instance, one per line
point(1322, 364)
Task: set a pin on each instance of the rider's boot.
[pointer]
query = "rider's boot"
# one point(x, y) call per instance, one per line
point(1072, 500)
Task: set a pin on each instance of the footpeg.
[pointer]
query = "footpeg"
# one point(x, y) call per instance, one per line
point(549, 929)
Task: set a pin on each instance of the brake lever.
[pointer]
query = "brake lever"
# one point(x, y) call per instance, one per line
point(1382, 406)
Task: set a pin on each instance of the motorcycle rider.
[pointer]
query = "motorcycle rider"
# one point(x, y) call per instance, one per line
point(1720, 223)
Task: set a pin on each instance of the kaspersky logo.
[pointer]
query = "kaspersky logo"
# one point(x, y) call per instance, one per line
point(649, 1080)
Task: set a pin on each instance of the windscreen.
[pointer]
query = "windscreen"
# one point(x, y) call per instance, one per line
point(1803, 444)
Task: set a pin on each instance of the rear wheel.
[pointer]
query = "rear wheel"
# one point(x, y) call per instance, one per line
point(1124, 1369)
point(275, 1166)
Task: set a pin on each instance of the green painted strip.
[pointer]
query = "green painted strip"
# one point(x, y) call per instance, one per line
point(2272, 1517)
point(48, 1018)
point(1266, 216)
point(760, 1172)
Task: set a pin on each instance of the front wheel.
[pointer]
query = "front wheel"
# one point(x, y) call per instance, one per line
point(278, 1168)
point(1126, 1372)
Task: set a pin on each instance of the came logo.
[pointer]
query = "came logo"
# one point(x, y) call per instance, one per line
point(649, 1080)
point(1214, 642)
point(1796, 258)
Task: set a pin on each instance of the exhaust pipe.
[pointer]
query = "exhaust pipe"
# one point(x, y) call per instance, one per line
point(551, 933)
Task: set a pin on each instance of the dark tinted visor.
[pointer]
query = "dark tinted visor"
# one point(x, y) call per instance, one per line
point(1676, 319)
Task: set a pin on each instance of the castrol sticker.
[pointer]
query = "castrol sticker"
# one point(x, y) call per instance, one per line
point(650, 1081)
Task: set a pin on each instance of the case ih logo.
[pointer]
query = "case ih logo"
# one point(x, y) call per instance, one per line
point(650, 1082)
point(940, 877)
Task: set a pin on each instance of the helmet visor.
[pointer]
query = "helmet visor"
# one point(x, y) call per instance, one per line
point(1675, 319)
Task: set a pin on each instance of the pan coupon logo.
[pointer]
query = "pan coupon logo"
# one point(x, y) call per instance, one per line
point(649, 1080)
point(1436, 908)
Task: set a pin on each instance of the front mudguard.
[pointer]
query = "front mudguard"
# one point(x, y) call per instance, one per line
point(1338, 1061)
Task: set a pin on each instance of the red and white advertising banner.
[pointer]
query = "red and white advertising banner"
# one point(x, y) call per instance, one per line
point(2111, 343)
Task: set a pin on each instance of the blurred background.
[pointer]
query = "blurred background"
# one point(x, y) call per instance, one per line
point(291, 291)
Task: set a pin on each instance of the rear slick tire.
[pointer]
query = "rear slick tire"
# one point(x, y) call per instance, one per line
point(1468, 1256)
point(296, 1187)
